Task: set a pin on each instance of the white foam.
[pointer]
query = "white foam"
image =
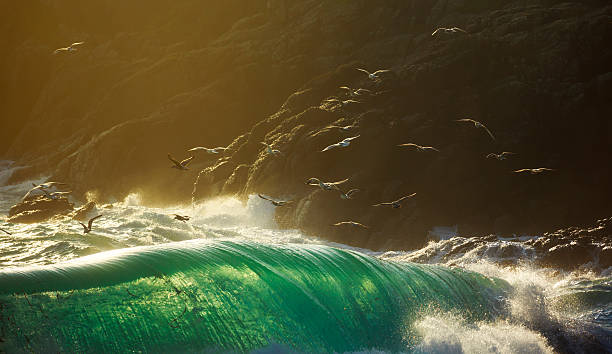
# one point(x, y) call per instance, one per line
point(450, 334)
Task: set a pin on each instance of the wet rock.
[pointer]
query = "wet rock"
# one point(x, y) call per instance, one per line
point(39, 209)
point(236, 180)
point(568, 256)
point(605, 257)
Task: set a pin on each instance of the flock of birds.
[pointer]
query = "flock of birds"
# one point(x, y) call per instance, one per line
point(326, 186)
point(49, 191)
point(335, 186)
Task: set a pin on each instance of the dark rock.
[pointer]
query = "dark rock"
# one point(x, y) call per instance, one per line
point(605, 257)
point(568, 256)
point(236, 180)
point(211, 180)
point(39, 209)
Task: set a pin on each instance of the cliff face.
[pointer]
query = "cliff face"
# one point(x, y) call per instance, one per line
point(538, 76)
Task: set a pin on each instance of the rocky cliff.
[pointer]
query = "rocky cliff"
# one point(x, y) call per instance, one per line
point(537, 75)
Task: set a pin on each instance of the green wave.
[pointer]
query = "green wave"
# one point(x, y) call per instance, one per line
point(232, 296)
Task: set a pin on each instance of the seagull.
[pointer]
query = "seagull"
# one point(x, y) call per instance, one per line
point(55, 195)
point(346, 128)
point(354, 93)
point(351, 223)
point(182, 218)
point(534, 171)
point(326, 186)
point(448, 31)
point(70, 48)
point(6, 232)
point(344, 143)
point(396, 203)
point(477, 124)
point(502, 156)
point(374, 75)
point(278, 203)
point(210, 151)
point(349, 194)
point(42, 190)
point(419, 147)
point(87, 228)
point(48, 185)
point(341, 102)
point(180, 165)
point(271, 151)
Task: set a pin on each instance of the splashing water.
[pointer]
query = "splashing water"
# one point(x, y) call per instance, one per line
point(229, 279)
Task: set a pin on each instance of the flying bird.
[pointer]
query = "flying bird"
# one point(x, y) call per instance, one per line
point(534, 171)
point(419, 147)
point(180, 165)
point(351, 223)
point(277, 203)
point(271, 151)
point(396, 203)
point(344, 143)
point(346, 128)
point(48, 185)
point(441, 30)
point(70, 48)
point(349, 194)
point(375, 75)
point(87, 228)
point(501, 156)
point(55, 195)
point(183, 218)
point(342, 103)
point(216, 150)
point(326, 186)
point(477, 124)
point(355, 92)
point(6, 232)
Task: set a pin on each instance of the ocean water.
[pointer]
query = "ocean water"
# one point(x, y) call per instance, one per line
point(231, 281)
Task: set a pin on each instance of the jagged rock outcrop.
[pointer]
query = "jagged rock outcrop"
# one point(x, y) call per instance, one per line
point(39, 209)
point(519, 70)
point(566, 249)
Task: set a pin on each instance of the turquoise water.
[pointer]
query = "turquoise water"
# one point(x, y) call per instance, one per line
point(236, 296)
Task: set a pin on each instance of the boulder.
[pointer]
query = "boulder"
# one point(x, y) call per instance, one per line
point(39, 209)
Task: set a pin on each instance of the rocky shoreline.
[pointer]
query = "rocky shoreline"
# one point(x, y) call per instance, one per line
point(570, 249)
point(538, 76)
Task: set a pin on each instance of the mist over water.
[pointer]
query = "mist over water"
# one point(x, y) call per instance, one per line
point(194, 284)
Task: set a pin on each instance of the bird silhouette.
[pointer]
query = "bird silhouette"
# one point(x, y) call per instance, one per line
point(534, 171)
point(87, 228)
point(477, 124)
point(180, 165)
point(419, 147)
point(501, 156)
point(183, 218)
point(70, 48)
point(375, 75)
point(351, 223)
point(326, 186)
point(278, 203)
point(396, 203)
point(344, 143)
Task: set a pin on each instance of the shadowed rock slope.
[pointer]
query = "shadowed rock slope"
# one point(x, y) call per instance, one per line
point(538, 76)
